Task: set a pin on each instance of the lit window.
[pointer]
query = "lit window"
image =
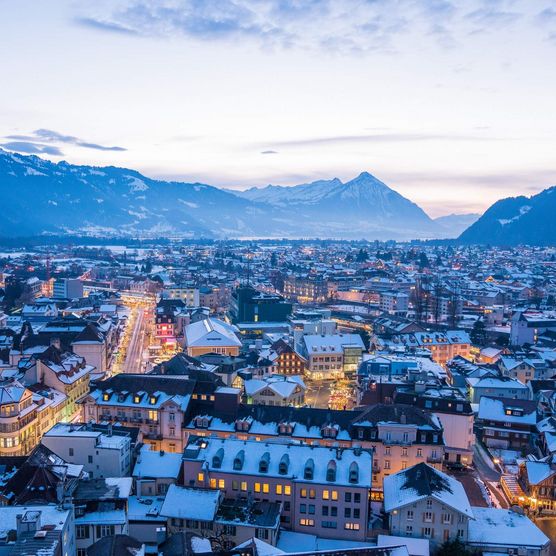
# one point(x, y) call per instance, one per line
point(257, 487)
point(266, 488)
point(200, 477)
point(221, 483)
point(287, 490)
point(279, 489)
point(213, 483)
point(334, 495)
point(326, 495)
point(244, 486)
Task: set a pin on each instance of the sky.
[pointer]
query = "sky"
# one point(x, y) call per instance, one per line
point(452, 103)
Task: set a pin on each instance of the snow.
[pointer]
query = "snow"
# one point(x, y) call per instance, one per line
point(109, 517)
point(263, 548)
point(163, 465)
point(200, 545)
point(494, 409)
point(189, 204)
point(493, 526)
point(538, 471)
point(523, 210)
point(32, 172)
point(190, 503)
point(415, 547)
point(94, 172)
point(296, 543)
point(135, 184)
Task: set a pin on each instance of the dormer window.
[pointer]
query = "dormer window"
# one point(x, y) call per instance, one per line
point(217, 459)
point(284, 465)
point(136, 399)
point(264, 463)
point(106, 396)
point(152, 400)
point(309, 470)
point(354, 473)
point(238, 460)
point(331, 471)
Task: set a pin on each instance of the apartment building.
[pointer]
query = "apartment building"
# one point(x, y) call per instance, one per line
point(323, 491)
point(102, 451)
point(211, 336)
point(189, 295)
point(332, 356)
point(286, 360)
point(423, 502)
point(276, 390)
point(306, 289)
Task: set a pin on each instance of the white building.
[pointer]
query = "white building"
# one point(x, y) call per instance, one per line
point(211, 336)
point(284, 390)
point(102, 454)
point(394, 303)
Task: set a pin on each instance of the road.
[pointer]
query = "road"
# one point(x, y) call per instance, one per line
point(134, 353)
point(318, 394)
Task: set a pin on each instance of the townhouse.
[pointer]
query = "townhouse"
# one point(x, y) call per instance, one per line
point(323, 491)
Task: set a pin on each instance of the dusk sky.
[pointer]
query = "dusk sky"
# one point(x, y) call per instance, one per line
point(452, 104)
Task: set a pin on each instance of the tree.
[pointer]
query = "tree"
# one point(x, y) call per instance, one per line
point(478, 333)
point(453, 548)
point(423, 261)
point(273, 260)
point(362, 256)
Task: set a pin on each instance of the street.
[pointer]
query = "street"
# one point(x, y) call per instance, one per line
point(134, 353)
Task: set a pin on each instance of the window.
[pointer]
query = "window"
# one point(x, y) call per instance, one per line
point(409, 529)
point(427, 532)
point(303, 493)
point(266, 488)
point(347, 497)
point(429, 503)
point(419, 452)
point(257, 487)
point(307, 522)
point(326, 495)
point(312, 493)
point(213, 483)
point(287, 490)
point(334, 511)
point(329, 524)
point(71, 451)
point(279, 489)
point(303, 508)
point(347, 512)
point(200, 477)
point(311, 509)
point(82, 531)
point(325, 510)
point(409, 515)
point(404, 451)
point(244, 486)
point(334, 495)
point(427, 517)
point(90, 459)
point(352, 526)
point(387, 451)
point(446, 518)
point(357, 497)
point(386, 464)
point(221, 483)
point(235, 485)
point(105, 530)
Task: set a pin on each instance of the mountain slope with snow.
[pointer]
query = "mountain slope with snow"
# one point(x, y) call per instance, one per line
point(515, 220)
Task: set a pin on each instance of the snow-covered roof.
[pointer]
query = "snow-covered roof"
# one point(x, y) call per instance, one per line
point(296, 456)
point(158, 464)
point(519, 412)
point(421, 482)
point(538, 471)
point(190, 503)
point(499, 527)
point(210, 332)
point(331, 343)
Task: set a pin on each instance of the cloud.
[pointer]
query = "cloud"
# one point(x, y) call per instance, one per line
point(489, 17)
point(269, 152)
point(377, 138)
point(50, 136)
point(339, 26)
point(32, 148)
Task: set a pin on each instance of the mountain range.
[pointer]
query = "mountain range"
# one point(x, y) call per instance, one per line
point(39, 196)
point(516, 220)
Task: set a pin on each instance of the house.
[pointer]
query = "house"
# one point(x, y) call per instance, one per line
point(323, 490)
point(154, 471)
point(507, 423)
point(538, 481)
point(527, 326)
point(331, 356)
point(276, 390)
point(207, 513)
point(102, 451)
point(423, 502)
point(394, 303)
point(496, 387)
point(211, 336)
point(287, 361)
point(37, 529)
point(499, 531)
point(100, 509)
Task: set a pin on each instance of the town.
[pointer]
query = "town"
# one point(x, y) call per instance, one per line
point(274, 397)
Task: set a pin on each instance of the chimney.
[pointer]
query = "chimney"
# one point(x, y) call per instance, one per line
point(30, 521)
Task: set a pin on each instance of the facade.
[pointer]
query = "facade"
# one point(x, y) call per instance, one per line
point(67, 288)
point(189, 295)
point(103, 452)
point(425, 503)
point(332, 356)
point(251, 305)
point(508, 424)
point(306, 289)
point(211, 336)
point(496, 387)
point(287, 361)
point(281, 390)
point(538, 482)
point(154, 472)
point(526, 327)
point(324, 491)
point(394, 303)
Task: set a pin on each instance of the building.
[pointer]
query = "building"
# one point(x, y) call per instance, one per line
point(496, 387)
point(211, 336)
point(207, 513)
point(102, 451)
point(100, 510)
point(189, 295)
point(394, 303)
point(251, 305)
point(454, 412)
point(425, 503)
point(37, 529)
point(538, 482)
point(154, 472)
point(281, 390)
point(67, 288)
point(526, 327)
point(306, 289)
point(499, 531)
point(332, 356)
point(323, 491)
point(286, 360)
point(508, 424)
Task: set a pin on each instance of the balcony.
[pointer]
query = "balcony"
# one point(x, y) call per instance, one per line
point(432, 460)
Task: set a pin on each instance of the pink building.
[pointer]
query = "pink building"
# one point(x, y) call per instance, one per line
point(324, 491)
